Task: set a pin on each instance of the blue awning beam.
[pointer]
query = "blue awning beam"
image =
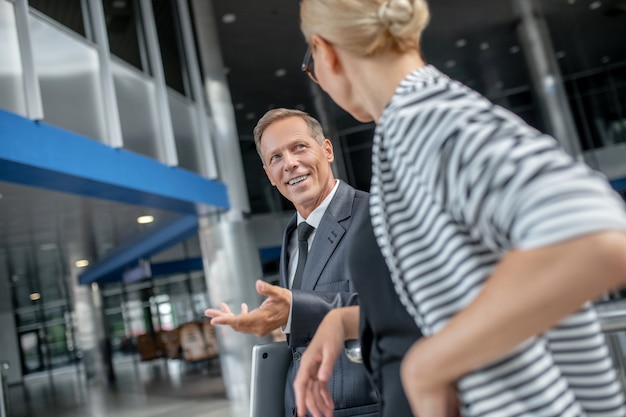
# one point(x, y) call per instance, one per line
point(40, 155)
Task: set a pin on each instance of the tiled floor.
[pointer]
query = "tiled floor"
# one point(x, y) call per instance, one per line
point(156, 389)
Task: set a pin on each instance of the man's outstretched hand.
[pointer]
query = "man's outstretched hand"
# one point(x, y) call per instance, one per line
point(271, 314)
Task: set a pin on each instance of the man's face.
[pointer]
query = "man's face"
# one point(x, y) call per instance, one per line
point(297, 164)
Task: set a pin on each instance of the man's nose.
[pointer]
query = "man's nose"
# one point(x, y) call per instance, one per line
point(290, 161)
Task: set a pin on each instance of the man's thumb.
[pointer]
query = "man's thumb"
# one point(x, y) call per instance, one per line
point(263, 287)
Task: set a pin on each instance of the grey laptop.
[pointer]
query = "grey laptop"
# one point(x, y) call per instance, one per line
point(270, 363)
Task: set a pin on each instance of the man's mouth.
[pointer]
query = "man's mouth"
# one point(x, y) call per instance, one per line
point(297, 180)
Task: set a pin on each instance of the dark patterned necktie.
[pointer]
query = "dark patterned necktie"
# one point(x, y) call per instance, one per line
point(304, 231)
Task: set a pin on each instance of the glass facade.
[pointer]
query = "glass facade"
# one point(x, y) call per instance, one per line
point(70, 77)
point(598, 100)
point(11, 71)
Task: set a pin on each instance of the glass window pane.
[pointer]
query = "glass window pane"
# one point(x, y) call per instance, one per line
point(136, 98)
point(69, 78)
point(11, 80)
point(124, 31)
point(170, 43)
point(67, 12)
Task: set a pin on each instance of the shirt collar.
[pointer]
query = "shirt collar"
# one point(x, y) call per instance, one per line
point(316, 215)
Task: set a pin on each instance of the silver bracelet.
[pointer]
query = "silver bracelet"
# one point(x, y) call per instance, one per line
point(352, 348)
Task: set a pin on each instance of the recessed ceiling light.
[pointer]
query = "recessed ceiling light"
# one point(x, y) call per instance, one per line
point(48, 246)
point(280, 72)
point(595, 5)
point(81, 263)
point(451, 63)
point(251, 115)
point(460, 43)
point(484, 46)
point(145, 219)
point(35, 296)
point(514, 49)
point(239, 106)
point(229, 18)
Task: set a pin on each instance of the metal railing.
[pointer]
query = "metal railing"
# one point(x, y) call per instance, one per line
point(612, 316)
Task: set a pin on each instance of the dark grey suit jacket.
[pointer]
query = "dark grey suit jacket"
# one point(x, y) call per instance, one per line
point(327, 284)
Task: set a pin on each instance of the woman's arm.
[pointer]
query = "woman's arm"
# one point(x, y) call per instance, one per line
point(318, 360)
point(529, 292)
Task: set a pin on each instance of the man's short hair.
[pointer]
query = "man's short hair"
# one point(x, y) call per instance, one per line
point(274, 115)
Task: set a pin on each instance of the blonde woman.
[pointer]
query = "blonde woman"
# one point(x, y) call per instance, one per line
point(497, 241)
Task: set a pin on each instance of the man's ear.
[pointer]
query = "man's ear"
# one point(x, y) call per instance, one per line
point(328, 149)
point(326, 53)
point(268, 175)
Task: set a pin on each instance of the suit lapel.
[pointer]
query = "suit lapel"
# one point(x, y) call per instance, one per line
point(328, 235)
point(284, 252)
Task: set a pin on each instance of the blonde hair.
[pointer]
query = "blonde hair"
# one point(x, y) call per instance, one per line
point(274, 115)
point(366, 27)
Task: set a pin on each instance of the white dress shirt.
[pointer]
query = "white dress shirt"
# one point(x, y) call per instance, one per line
point(314, 220)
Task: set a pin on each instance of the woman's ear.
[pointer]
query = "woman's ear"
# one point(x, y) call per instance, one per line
point(325, 53)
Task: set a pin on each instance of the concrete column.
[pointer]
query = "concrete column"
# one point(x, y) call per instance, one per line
point(9, 345)
point(91, 333)
point(546, 76)
point(232, 265)
point(231, 258)
point(218, 97)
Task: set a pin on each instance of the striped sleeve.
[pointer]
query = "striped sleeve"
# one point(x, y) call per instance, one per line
point(519, 188)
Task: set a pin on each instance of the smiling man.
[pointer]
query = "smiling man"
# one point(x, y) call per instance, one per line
point(297, 160)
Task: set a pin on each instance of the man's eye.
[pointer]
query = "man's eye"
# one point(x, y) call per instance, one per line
point(274, 158)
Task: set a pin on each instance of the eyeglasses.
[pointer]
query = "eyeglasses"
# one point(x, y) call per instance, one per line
point(308, 65)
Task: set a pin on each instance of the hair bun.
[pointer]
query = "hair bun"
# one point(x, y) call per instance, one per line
point(394, 14)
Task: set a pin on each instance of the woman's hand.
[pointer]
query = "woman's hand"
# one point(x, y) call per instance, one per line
point(427, 396)
point(317, 362)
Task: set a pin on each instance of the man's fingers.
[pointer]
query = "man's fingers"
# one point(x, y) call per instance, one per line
point(244, 308)
point(211, 312)
point(219, 320)
point(225, 308)
point(267, 290)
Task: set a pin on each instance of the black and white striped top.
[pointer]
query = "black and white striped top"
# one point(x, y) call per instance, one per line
point(457, 182)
